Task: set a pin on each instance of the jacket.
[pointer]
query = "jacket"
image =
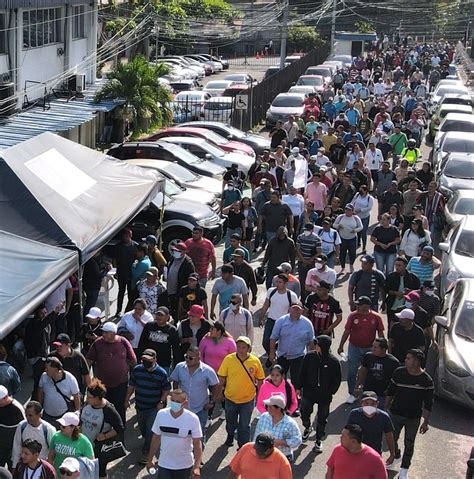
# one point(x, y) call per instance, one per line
point(48, 471)
point(392, 283)
point(187, 267)
point(246, 272)
point(186, 332)
point(320, 376)
point(279, 251)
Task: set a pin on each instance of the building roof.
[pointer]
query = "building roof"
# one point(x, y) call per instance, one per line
point(62, 115)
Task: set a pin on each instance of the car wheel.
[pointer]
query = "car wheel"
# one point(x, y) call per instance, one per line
point(172, 236)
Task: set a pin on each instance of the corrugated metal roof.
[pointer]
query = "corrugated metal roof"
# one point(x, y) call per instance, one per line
point(30, 4)
point(63, 115)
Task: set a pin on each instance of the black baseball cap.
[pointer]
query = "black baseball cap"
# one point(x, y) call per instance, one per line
point(264, 441)
point(363, 300)
point(369, 395)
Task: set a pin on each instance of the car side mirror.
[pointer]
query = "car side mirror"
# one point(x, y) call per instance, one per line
point(444, 247)
point(208, 156)
point(443, 321)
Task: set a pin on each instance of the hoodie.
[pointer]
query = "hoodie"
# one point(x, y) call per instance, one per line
point(320, 376)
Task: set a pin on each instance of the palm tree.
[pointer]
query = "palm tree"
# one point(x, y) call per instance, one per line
point(146, 100)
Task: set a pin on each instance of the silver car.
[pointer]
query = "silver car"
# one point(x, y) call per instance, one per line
point(458, 254)
point(284, 105)
point(451, 358)
point(453, 142)
point(459, 205)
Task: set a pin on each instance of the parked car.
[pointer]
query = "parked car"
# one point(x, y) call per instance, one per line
point(184, 85)
point(453, 142)
point(456, 172)
point(323, 70)
point(257, 142)
point(345, 59)
point(241, 78)
point(236, 89)
point(337, 63)
point(220, 60)
point(160, 150)
point(182, 176)
point(271, 71)
point(219, 108)
point(284, 105)
point(452, 356)
point(440, 114)
point(206, 151)
point(456, 99)
point(457, 254)
point(217, 87)
point(444, 89)
point(229, 146)
point(454, 122)
point(316, 81)
point(460, 204)
point(306, 90)
point(292, 58)
point(192, 102)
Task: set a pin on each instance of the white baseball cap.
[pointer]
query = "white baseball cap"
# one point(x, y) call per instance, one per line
point(3, 392)
point(71, 464)
point(94, 313)
point(276, 400)
point(109, 327)
point(69, 419)
point(406, 314)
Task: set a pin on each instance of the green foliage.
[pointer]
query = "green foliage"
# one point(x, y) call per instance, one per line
point(303, 38)
point(364, 26)
point(146, 101)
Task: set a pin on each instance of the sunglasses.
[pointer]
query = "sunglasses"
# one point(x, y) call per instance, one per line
point(66, 472)
point(189, 358)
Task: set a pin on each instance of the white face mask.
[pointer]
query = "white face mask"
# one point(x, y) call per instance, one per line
point(369, 410)
point(429, 292)
point(230, 188)
point(234, 307)
point(408, 305)
point(318, 265)
point(177, 254)
point(307, 233)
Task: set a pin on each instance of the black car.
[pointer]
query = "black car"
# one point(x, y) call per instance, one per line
point(156, 150)
point(271, 71)
point(257, 142)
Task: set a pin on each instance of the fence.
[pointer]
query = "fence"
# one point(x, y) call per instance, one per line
point(262, 94)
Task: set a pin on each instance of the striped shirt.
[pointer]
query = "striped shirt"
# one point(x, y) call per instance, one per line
point(424, 271)
point(149, 386)
point(308, 244)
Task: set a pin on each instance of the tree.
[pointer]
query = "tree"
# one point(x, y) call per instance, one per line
point(303, 38)
point(146, 100)
point(364, 26)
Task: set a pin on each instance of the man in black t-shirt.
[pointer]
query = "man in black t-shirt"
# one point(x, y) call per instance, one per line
point(376, 370)
point(11, 414)
point(391, 197)
point(277, 134)
point(320, 309)
point(191, 294)
point(409, 397)
point(405, 335)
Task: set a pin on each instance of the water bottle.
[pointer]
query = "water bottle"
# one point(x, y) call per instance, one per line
point(152, 471)
point(344, 357)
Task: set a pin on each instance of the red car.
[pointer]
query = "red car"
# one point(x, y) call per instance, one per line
point(208, 135)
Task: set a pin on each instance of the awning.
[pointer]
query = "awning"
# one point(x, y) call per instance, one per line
point(29, 273)
point(58, 192)
point(62, 115)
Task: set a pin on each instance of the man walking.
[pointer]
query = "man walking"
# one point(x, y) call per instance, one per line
point(203, 254)
point(11, 414)
point(236, 319)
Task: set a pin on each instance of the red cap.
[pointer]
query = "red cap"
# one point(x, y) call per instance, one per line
point(196, 310)
point(180, 247)
point(413, 296)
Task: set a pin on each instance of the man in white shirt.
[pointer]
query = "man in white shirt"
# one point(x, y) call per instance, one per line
point(330, 242)
point(177, 435)
point(35, 428)
point(373, 158)
point(320, 272)
point(296, 203)
point(291, 128)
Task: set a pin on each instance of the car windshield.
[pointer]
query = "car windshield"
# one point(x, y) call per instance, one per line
point(465, 322)
point(158, 200)
point(318, 71)
point(287, 101)
point(184, 155)
point(311, 81)
point(464, 206)
point(218, 105)
point(217, 85)
point(238, 78)
point(458, 125)
point(443, 90)
point(171, 189)
point(458, 145)
point(465, 244)
point(459, 169)
point(179, 172)
point(214, 137)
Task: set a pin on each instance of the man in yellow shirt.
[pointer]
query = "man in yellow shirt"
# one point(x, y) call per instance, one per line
point(241, 375)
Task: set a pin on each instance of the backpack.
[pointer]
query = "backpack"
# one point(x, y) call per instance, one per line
point(333, 237)
point(247, 315)
point(288, 295)
point(43, 428)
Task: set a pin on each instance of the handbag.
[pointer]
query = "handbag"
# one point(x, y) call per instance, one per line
point(69, 402)
point(248, 374)
point(110, 449)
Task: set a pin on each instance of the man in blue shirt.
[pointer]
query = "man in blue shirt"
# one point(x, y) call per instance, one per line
point(330, 109)
point(151, 386)
point(196, 378)
point(294, 333)
point(353, 115)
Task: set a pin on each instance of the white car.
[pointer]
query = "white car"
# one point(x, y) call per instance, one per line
point(453, 142)
point(192, 102)
point(219, 108)
point(306, 90)
point(458, 206)
point(345, 59)
point(217, 87)
point(241, 78)
point(204, 150)
point(461, 122)
point(284, 105)
point(443, 89)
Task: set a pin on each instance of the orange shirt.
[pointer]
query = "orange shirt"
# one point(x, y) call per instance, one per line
point(248, 465)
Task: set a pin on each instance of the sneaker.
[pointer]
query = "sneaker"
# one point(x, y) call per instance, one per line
point(395, 464)
point(403, 474)
point(318, 447)
point(222, 414)
point(229, 442)
point(307, 431)
point(351, 399)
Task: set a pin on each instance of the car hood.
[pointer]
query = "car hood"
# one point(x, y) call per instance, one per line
point(463, 349)
point(258, 140)
point(204, 197)
point(205, 183)
point(211, 167)
point(455, 184)
point(286, 110)
point(239, 146)
point(180, 206)
point(462, 264)
point(244, 161)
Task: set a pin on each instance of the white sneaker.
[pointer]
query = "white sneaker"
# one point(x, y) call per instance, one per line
point(351, 399)
point(403, 474)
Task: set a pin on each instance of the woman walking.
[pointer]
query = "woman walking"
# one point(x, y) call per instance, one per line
point(348, 225)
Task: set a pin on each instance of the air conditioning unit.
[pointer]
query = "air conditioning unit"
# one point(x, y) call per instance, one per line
point(77, 83)
point(7, 99)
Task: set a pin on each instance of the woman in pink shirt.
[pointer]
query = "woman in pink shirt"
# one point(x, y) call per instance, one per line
point(216, 345)
point(276, 383)
point(316, 193)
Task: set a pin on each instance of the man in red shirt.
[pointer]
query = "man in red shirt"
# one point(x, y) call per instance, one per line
point(353, 458)
point(202, 252)
point(361, 327)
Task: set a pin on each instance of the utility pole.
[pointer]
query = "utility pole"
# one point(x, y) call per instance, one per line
point(284, 33)
point(333, 22)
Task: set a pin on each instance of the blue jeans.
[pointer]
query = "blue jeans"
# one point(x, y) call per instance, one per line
point(202, 282)
point(145, 422)
point(362, 235)
point(331, 262)
point(229, 233)
point(203, 415)
point(238, 416)
point(348, 246)
point(354, 358)
point(385, 262)
point(267, 332)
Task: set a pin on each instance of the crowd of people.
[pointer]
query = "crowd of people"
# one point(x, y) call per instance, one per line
point(180, 358)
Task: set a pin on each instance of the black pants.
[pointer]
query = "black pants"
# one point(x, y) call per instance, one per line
point(123, 284)
point(411, 425)
point(74, 319)
point(302, 273)
point(292, 365)
point(116, 395)
point(306, 409)
point(92, 294)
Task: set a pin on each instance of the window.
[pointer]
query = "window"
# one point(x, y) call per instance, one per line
point(41, 27)
point(78, 22)
point(3, 45)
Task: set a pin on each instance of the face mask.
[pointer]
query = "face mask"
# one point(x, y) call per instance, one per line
point(264, 170)
point(318, 265)
point(176, 254)
point(307, 233)
point(369, 410)
point(234, 307)
point(429, 292)
point(175, 406)
point(408, 305)
point(147, 364)
point(230, 188)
